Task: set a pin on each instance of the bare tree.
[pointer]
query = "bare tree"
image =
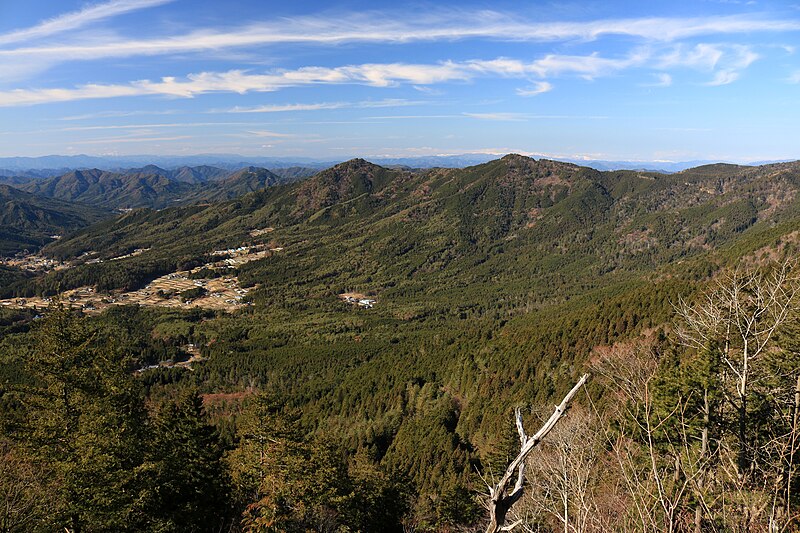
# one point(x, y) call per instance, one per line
point(504, 495)
point(656, 477)
point(563, 475)
point(741, 312)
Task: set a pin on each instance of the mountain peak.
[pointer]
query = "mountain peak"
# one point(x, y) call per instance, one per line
point(510, 158)
point(342, 182)
point(354, 164)
point(153, 169)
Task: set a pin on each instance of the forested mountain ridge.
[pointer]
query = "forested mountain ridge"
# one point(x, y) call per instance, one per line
point(185, 174)
point(151, 186)
point(235, 184)
point(29, 221)
point(111, 189)
point(495, 286)
point(508, 220)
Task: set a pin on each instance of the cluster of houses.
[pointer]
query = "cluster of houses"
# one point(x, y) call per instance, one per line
point(31, 263)
point(232, 251)
point(134, 253)
point(366, 303)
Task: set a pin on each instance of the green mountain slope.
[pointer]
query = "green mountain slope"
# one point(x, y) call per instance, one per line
point(514, 226)
point(235, 184)
point(493, 286)
point(28, 221)
point(184, 174)
point(152, 187)
point(111, 190)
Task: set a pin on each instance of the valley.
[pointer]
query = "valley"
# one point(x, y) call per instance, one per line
point(212, 285)
point(429, 267)
point(390, 310)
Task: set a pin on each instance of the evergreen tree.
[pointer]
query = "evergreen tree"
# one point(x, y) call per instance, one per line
point(84, 418)
point(191, 488)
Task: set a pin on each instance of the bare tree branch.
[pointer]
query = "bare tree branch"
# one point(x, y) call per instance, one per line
point(500, 499)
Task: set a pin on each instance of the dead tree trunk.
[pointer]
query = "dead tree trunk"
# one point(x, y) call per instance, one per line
point(701, 474)
point(502, 496)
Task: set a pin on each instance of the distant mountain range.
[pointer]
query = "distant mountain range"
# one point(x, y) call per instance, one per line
point(34, 208)
point(52, 165)
point(152, 186)
point(30, 203)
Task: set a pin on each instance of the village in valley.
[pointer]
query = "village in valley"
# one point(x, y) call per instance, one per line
point(183, 289)
point(213, 285)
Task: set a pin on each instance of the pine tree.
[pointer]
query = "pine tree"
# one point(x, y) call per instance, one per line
point(84, 419)
point(191, 489)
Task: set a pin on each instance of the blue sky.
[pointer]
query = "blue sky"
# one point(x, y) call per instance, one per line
point(672, 81)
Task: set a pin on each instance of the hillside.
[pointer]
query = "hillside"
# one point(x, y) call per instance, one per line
point(183, 174)
point(15, 180)
point(28, 221)
point(235, 184)
point(110, 189)
point(487, 287)
point(290, 174)
point(550, 227)
point(150, 186)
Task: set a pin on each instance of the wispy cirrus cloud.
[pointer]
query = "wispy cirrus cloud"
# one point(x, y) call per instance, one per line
point(77, 19)
point(131, 139)
point(371, 74)
point(728, 62)
point(662, 79)
point(119, 114)
point(270, 134)
point(723, 77)
point(709, 56)
point(586, 66)
point(725, 61)
point(284, 108)
point(503, 117)
point(151, 126)
point(372, 27)
point(539, 87)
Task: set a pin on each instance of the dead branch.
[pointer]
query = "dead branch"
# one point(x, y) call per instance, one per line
point(500, 498)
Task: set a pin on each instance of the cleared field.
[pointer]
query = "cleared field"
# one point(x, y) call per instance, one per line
point(223, 293)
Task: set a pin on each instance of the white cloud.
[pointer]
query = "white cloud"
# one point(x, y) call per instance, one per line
point(728, 62)
point(372, 74)
point(151, 126)
point(372, 27)
point(270, 134)
point(704, 56)
point(427, 90)
point(724, 60)
point(537, 88)
point(662, 80)
point(77, 19)
point(589, 67)
point(109, 140)
point(504, 117)
point(116, 114)
point(723, 77)
point(283, 108)
point(744, 57)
